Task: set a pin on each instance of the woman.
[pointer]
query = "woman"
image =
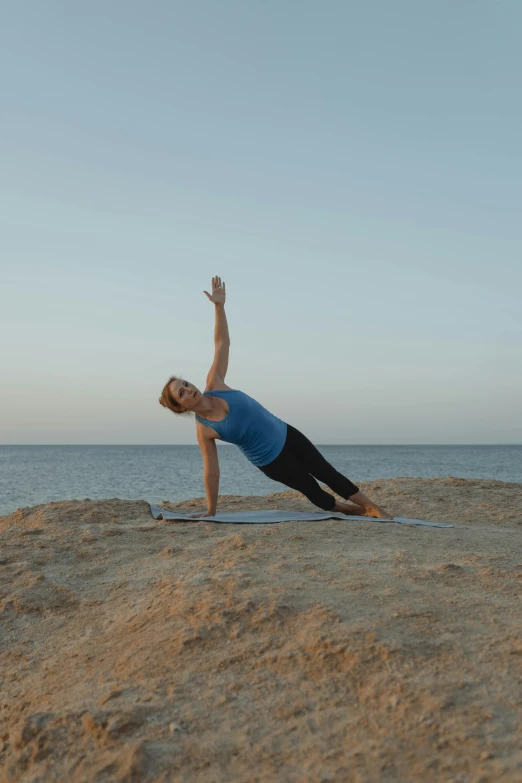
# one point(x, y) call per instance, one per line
point(279, 450)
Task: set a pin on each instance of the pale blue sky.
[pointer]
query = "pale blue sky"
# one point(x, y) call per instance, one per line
point(352, 170)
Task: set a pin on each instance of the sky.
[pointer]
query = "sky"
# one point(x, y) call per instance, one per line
point(351, 170)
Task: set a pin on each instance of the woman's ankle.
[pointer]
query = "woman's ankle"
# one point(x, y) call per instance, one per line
point(349, 508)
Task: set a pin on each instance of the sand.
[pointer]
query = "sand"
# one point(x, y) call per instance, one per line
point(135, 650)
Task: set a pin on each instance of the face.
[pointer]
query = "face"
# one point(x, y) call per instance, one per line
point(185, 393)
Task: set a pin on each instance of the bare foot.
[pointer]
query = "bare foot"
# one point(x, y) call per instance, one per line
point(369, 510)
point(379, 513)
point(350, 508)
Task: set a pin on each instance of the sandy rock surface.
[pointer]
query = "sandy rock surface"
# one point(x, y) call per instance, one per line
point(135, 650)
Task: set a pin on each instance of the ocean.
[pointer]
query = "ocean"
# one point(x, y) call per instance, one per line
point(30, 475)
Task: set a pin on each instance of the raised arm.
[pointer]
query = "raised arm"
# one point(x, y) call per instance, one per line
point(219, 367)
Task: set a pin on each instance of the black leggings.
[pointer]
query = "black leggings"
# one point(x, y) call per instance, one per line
point(299, 462)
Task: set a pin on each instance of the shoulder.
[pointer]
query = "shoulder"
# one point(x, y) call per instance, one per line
point(205, 433)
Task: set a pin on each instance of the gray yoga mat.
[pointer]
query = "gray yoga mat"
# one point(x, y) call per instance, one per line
point(274, 515)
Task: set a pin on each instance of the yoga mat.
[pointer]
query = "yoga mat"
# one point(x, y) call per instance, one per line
point(273, 515)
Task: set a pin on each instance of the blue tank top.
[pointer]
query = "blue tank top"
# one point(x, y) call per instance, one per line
point(259, 434)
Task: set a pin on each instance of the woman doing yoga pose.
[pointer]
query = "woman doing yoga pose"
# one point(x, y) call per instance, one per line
point(278, 449)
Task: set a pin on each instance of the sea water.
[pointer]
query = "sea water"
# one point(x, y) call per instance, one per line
point(30, 475)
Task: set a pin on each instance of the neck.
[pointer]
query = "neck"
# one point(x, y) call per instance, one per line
point(204, 406)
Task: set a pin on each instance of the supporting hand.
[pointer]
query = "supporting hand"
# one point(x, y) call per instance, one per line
point(219, 291)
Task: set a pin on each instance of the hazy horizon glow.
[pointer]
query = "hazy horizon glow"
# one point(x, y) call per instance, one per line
point(352, 171)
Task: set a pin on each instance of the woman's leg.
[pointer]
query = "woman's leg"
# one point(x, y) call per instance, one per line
point(314, 462)
point(287, 469)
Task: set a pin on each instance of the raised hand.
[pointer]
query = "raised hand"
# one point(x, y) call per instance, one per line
point(219, 291)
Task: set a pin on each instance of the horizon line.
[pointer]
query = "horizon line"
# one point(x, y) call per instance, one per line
point(195, 445)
